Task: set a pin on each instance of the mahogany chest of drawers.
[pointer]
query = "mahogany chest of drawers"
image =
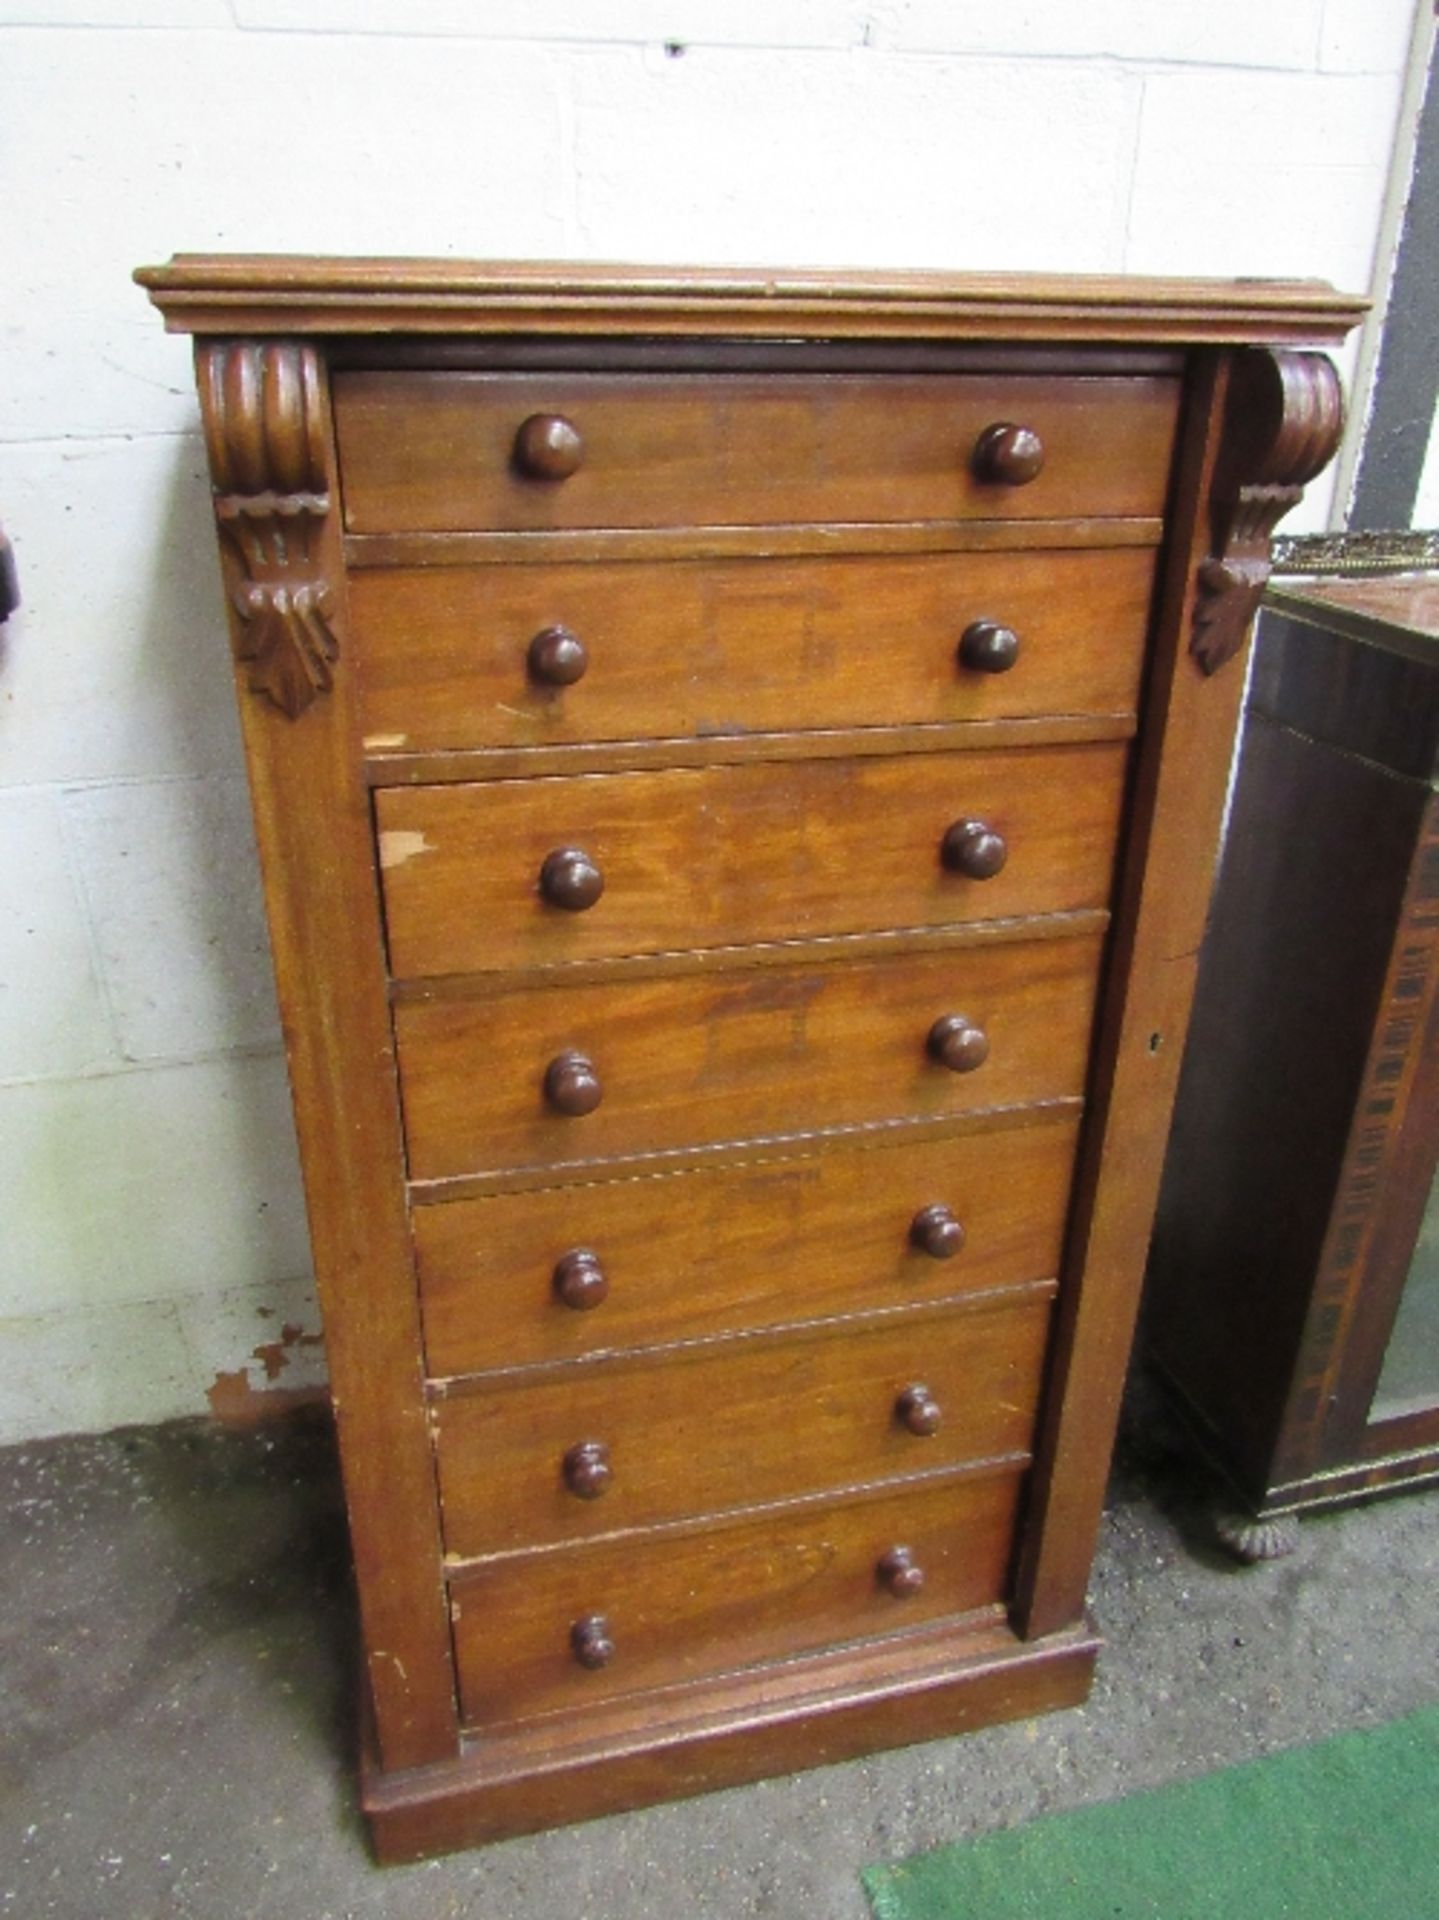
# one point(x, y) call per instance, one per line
point(736, 760)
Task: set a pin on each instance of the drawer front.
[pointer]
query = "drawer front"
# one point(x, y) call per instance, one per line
point(515, 1279)
point(736, 1055)
point(548, 1632)
point(443, 452)
point(700, 648)
point(503, 873)
point(729, 1426)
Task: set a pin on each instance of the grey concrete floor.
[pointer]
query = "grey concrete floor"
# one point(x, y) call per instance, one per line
point(176, 1729)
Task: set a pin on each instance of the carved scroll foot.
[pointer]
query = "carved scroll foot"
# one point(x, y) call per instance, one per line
point(1283, 419)
point(264, 424)
point(1251, 1539)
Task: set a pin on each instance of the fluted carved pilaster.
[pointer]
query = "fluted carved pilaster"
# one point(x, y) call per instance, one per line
point(263, 408)
point(1283, 419)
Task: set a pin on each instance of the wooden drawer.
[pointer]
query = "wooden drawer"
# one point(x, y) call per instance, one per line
point(740, 1054)
point(700, 648)
point(436, 452)
point(680, 1606)
point(733, 1424)
point(717, 1250)
point(475, 876)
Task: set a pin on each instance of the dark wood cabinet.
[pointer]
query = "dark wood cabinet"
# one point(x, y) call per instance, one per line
point(736, 761)
point(1293, 1300)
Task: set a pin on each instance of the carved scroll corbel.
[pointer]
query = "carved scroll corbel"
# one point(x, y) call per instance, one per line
point(263, 409)
point(1283, 419)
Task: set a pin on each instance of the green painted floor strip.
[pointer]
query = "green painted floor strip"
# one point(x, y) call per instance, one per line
point(1347, 1829)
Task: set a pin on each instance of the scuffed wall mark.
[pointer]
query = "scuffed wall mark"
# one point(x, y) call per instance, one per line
point(240, 1399)
point(236, 1402)
point(274, 1355)
point(400, 844)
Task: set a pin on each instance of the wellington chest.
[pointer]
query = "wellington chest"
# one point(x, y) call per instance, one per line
point(736, 760)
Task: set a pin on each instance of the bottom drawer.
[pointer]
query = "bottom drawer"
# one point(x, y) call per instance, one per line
point(542, 1633)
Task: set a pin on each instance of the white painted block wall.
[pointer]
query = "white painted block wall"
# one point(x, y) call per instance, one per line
point(153, 1250)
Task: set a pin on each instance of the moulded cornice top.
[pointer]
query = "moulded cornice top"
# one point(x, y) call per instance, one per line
point(237, 294)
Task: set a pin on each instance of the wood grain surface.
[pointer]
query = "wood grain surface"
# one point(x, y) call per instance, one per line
point(1181, 777)
point(787, 540)
point(732, 855)
point(317, 293)
point(329, 967)
point(735, 1423)
point(687, 1603)
point(435, 452)
point(738, 1054)
point(753, 498)
point(700, 648)
point(721, 1249)
point(810, 1710)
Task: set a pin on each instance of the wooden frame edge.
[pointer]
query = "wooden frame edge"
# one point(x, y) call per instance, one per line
point(1162, 900)
point(299, 294)
point(272, 464)
point(492, 1792)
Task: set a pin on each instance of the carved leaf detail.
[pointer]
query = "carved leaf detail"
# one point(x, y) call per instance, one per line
point(288, 642)
point(1229, 596)
point(1284, 416)
point(263, 406)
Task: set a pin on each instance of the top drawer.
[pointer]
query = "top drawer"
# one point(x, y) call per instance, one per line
point(445, 452)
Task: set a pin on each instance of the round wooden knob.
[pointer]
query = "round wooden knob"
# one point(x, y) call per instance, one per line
point(957, 1043)
point(1008, 455)
point(987, 647)
point(901, 1573)
point(557, 657)
point(591, 1642)
point(570, 879)
point(571, 1084)
point(935, 1231)
point(587, 1469)
point(580, 1281)
point(973, 848)
point(918, 1410)
point(548, 447)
